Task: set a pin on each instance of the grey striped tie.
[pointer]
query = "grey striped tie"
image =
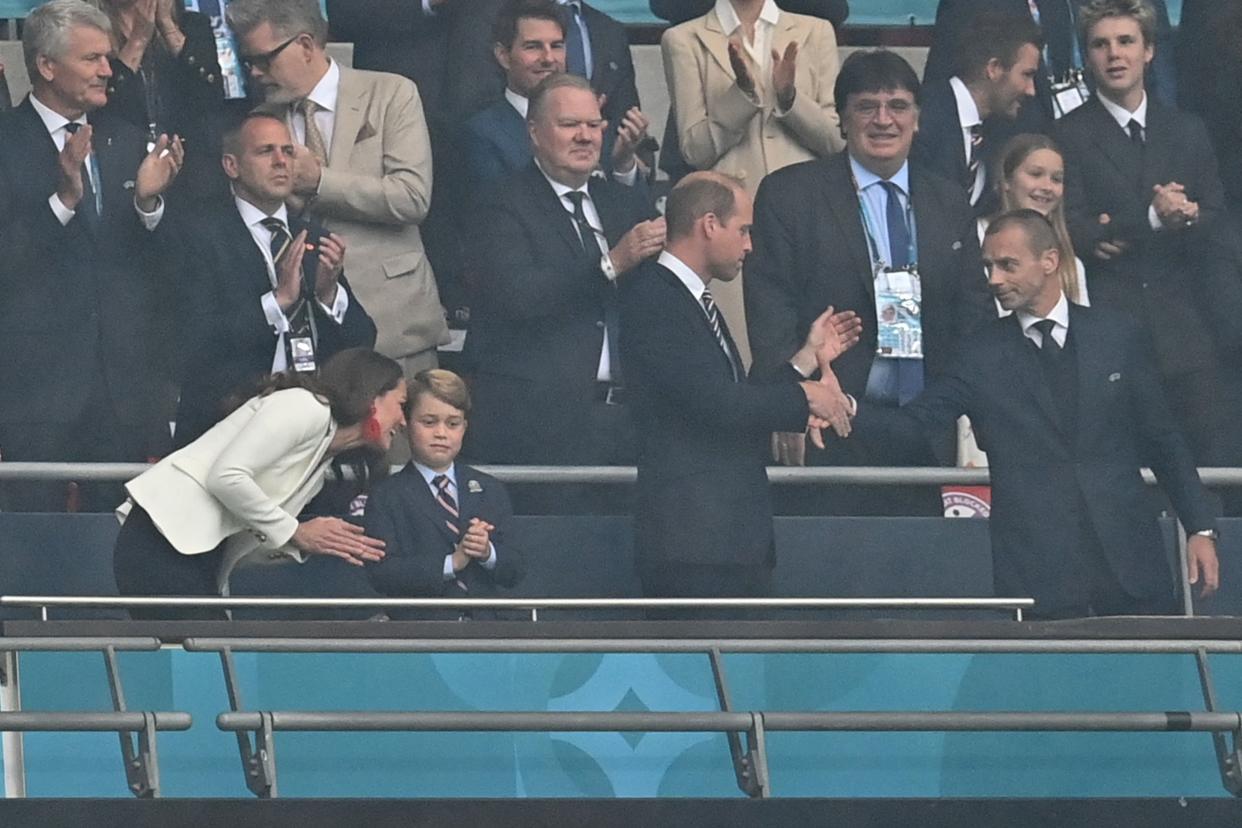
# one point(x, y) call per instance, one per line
point(713, 317)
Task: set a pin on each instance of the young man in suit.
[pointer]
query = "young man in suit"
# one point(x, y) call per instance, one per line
point(1063, 53)
point(247, 270)
point(827, 231)
point(1067, 403)
point(703, 522)
point(363, 166)
point(530, 46)
point(1143, 201)
point(85, 328)
point(442, 523)
point(964, 121)
point(551, 243)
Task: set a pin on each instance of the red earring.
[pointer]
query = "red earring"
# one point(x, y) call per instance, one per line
point(371, 431)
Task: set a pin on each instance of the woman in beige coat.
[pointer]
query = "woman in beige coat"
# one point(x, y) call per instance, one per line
point(751, 90)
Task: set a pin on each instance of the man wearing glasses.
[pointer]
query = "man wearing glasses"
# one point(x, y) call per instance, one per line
point(866, 231)
point(362, 166)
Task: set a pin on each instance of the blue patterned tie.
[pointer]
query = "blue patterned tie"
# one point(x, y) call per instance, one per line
point(898, 231)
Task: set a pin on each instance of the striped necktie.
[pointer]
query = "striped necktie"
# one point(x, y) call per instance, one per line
point(972, 164)
point(713, 318)
point(447, 502)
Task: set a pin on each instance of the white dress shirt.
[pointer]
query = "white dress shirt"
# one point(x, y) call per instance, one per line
point(876, 199)
point(604, 372)
point(325, 96)
point(759, 49)
point(1059, 315)
point(253, 218)
point(1123, 117)
point(55, 124)
point(968, 117)
point(429, 474)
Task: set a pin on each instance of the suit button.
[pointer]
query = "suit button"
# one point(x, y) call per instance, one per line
point(190, 60)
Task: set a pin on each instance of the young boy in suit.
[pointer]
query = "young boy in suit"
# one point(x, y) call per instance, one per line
point(443, 523)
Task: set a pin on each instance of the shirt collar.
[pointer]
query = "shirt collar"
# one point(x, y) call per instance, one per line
point(52, 120)
point(967, 109)
point(430, 474)
point(684, 273)
point(562, 189)
point(730, 22)
point(325, 92)
point(519, 102)
point(866, 178)
point(253, 216)
point(1059, 314)
point(1122, 116)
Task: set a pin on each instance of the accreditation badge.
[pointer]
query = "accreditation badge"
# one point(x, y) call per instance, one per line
point(302, 354)
point(1068, 93)
point(899, 314)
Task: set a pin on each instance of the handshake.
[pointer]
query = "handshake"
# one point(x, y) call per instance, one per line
point(831, 335)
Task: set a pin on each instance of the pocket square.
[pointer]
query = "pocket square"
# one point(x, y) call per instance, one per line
point(1113, 377)
point(366, 132)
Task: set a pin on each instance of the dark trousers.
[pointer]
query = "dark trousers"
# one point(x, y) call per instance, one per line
point(96, 435)
point(706, 581)
point(146, 564)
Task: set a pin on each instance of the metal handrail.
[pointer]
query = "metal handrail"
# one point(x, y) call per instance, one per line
point(26, 721)
point(701, 646)
point(782, 475)
point(795, 721)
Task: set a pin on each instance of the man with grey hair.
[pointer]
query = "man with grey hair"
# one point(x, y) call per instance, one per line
point(362, 166)
point(81, 344)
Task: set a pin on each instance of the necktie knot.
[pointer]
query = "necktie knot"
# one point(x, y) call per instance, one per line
point(1049, 343)
point(314, 138)
point(307, 107)
point(441, 482)
point(1136, 131)
point(280, 236)
point(72, 127)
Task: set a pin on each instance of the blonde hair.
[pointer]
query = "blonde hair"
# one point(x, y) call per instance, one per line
point(1016, 151)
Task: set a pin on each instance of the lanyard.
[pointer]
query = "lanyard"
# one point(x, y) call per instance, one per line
point(873, 236)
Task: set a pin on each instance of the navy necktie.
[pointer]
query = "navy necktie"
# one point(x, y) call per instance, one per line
point(92, 198)
point(1136, 132)
point(898, 230)
point(575, 50)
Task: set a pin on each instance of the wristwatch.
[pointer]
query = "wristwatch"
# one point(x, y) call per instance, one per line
point(1210, 534)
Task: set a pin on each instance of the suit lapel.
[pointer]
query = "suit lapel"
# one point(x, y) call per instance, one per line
point(697, 317)
point(1089, 351)
point(843, 204)
point(1160, 147)
point(1114, 142)
point(512, 134)
point(469, 494)
point(422, 500)
point(610, 213)
point(1023, 357)
point(348, 120)
point(557, 216)
point(714, 38)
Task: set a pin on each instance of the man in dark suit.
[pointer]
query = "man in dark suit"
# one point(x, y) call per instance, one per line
point(965, 120)
point(551, 242)
point(1063, 52)
point(1209, 83)
point(84, 332)
point(679, 11)
point(443, 523)
point(827, 230)
point(1067, 403)
point(703, 522)
point(1143, 198)
point(247, 271)
point(530, 45)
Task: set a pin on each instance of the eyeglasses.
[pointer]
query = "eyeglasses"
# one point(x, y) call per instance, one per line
point(870, 109)
point(263, 60)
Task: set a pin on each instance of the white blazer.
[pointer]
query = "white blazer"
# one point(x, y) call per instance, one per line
point(243, 482)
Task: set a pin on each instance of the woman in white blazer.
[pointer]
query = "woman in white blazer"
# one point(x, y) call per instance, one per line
point(232, 497)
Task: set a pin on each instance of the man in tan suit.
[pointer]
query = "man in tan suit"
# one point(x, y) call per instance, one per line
point(751, 88)
point(362, 166)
